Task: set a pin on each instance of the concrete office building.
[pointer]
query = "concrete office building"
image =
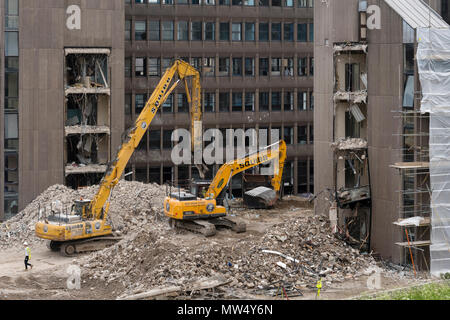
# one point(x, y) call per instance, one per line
point(63, 83)
point(256, 60)
point(367, 87)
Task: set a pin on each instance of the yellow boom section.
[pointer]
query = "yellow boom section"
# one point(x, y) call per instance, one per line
point(135, 134)
point(231, 168)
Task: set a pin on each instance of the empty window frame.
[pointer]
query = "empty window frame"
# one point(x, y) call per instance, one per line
point(352, 77)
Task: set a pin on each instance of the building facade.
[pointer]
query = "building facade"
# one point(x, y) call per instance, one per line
point(257, 65)
point(63, 83)
point(371, 141)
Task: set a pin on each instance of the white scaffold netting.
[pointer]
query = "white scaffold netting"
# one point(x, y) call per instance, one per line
point(433, 59)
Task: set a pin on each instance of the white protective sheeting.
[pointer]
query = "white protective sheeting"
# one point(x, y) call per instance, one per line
point(433, 59)
point(417, 13)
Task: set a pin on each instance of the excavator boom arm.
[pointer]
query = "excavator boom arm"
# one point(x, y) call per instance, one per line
point(231, 168)
point(135, 134)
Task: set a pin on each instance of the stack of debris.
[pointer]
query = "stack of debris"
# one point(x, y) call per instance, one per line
point(132, 203)
point(298, 252)
point(349, 144)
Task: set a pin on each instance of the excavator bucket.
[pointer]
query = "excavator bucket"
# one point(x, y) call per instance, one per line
point(260, 198)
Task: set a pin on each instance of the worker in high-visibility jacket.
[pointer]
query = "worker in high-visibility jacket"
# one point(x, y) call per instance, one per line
point(319, 287)
point(27, 256)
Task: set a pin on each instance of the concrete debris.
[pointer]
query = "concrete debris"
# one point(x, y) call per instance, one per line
point(79, 129)
point(354, 97)
point(349, 144)
point(132, 204)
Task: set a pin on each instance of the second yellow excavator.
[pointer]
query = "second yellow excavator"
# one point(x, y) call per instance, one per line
point(202, 215)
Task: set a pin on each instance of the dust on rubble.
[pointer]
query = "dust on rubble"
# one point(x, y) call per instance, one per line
point(151, 254)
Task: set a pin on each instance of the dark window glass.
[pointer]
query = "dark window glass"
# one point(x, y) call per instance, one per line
point(224, 31)
point(276, 31)
point(263, 31)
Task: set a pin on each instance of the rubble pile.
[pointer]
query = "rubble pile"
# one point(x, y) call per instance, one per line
point(349, 144)
point(132, 203)
point(305, 247)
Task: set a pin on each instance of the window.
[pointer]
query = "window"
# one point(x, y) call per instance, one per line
point(210, 31)
point(167, 30)
point(11, 44)
point(302, 32)
point(264, 66)
point(139, 103)
point(351, 77)
point(276, 3)
point(288, 135)
point(127, 29)
point(167, 140)
point(127, 104)
point(249, 101)
point(249, 2)
point(209, 69)
point(224, 66)
point(183, 104)
point(224, 2)
point(195, 2)
point(224, 101)
point(155, 140)
point(311, 32)
point(140, 67)
point(236, 2)
point(249, 67)
point(249, 31)
point(128, 67)
point(408, 93)
point(12, 15)
point(140, 30)
point(288, 101)
point(183, 32)
point(224, 31)
point(302, 135)
point(209, 101)
point(263, 101)
point(276, 32)
point(154, 30)
point(276, 67)
point(302, 67)
point(311, 66)
point(210, 2)
point(237, 66)
point(196, 62)
point(182, 2)
point(263, 31)
point(152, 1)
point(237, 102)
point(288, 32)
point(153, 67)
point(166, 63)
point(167, 106)
point(305, 3)
point(276, 101)
point(167, 1)
point(311, 134)
point(236, 31)
point(311, 100)
point(11, 126)
point(288, 3)
point(196, 31)
point(302, 98)
point(302, 176)
point(288, 67)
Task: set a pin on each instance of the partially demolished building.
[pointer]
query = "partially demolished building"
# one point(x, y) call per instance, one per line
point(373, 135)
point(64, 86)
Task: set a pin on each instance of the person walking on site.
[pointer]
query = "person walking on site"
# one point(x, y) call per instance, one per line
point(27, 256)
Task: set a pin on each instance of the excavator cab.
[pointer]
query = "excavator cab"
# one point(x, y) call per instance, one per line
point(80, 207)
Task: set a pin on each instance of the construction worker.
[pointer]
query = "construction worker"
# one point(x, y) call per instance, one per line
point(319, 287)
point(27, 256)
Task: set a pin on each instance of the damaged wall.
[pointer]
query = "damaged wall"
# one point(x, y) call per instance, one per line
point(43, 35)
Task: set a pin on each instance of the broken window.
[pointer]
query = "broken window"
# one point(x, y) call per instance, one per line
point(87, 70)
point(141, 174)
point(352, 126)
point(352, 77)
point(167, 174)
point(154, 175)
point(87, 149)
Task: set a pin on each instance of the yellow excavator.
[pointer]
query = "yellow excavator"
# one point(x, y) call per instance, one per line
point(86, 227)
point(201, 215)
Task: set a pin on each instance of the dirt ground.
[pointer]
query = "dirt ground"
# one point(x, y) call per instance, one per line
point(48, 278)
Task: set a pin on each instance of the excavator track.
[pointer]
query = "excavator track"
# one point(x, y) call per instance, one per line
point(236, 226)
point(70, 248)
point(198, 226)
